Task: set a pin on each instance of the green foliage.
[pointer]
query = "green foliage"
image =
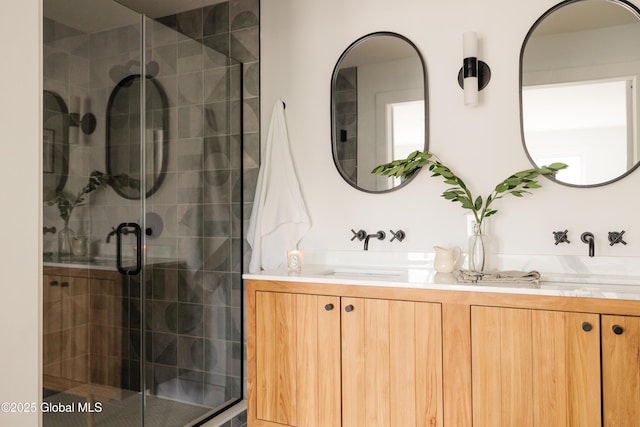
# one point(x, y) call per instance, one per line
point(518, 184)
point(67, 203)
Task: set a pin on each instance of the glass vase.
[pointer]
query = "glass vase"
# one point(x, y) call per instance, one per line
point(478, 249)
point(65, 239)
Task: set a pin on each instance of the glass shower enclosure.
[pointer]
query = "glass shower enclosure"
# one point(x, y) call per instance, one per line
point(142, 177)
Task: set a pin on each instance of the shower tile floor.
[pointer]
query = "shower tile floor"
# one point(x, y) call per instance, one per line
point(125, 412)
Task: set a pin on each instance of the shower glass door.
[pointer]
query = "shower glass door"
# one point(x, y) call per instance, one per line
point(142, 161)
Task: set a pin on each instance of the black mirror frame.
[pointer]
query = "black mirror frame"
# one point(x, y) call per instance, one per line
point(624, 3)
point(124, 83)
point(64, 174)
point(334, 77)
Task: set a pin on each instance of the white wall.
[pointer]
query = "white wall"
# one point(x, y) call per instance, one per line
point(20, 87)
point(301, 41)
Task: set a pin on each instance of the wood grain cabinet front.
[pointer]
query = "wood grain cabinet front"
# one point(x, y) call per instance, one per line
point(370, 356)
point(554, 368)
point(328, 361)
point(82, 345)
point(621, 371)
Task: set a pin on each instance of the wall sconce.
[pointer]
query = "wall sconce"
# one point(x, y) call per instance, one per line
point(85, 122)
point(474, 74)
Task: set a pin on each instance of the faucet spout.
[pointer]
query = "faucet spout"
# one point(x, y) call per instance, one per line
point(380, 235)
point(111, 233)
point(588, 238)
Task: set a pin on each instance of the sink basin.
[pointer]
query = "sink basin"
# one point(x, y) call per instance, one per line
point(362, 272)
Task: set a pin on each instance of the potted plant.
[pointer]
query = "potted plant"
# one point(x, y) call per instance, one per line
point(67, 203)
point(517, 185)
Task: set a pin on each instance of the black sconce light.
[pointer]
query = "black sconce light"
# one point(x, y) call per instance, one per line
point(474, 74)
point(78, 121)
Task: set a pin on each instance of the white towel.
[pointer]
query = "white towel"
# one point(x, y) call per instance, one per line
point(279, 217)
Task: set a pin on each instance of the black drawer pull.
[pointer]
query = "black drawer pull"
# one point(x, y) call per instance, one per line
point(586, 326)
point(617, 329)
point(53, 283)
point(328, 307)
point(348, 308)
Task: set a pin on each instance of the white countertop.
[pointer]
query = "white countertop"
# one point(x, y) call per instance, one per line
point(100, 263)
point(557, 284)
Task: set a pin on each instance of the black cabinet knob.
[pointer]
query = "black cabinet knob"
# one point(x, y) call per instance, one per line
point(328, 307)
point(617, 329)
point(64, 284)
point(53, 283)
point(348, 308)
point(586, 326)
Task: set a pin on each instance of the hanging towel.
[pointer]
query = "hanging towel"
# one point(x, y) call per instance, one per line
point(279, 217)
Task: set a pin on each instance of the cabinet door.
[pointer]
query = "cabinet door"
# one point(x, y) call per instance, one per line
point(391, 363)
point(621, 370)
point(535, 368)
point(297, 359)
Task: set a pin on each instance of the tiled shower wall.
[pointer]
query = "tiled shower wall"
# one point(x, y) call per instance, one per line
point(193, 317)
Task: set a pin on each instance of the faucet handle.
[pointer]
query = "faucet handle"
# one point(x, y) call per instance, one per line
point(616, 237)
point(360, 234)
point(397, 235)
point(561, 236)
point(51, 230)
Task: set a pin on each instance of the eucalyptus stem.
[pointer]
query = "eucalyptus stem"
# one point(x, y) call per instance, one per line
point(518, 184)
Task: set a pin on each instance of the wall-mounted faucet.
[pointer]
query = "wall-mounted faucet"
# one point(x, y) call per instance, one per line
point(113, 232)
point(363, 235)
point(380, 235)
point(587, 237)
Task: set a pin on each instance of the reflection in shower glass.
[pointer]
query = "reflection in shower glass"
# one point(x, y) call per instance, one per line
point(162, 348)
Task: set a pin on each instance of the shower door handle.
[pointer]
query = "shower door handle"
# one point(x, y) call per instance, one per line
point(122, 229)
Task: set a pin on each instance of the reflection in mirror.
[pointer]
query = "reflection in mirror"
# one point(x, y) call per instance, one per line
point(378, 108)
point(578, 68)
point(55, 144)
point(123, 134)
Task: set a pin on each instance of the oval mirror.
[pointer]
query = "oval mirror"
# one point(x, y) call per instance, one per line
point(378, 108)
point(55, 144)
point(123, 134)
point(578, 94)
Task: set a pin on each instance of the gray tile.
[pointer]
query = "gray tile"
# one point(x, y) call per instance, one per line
point(216, 19)
point(190, 23)
point(217, 48)
point(217, 254)
point(216, 152)
point(245, 45)
point(252, 79)
point(190, 88)
point(243, 13)
point(190, 319)
point(165, 350)
point(217, 221)
point(190, 121)
point(189, 56)
point(217, 85)
point(217, 119)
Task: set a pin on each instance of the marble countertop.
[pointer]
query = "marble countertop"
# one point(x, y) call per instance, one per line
point(557, 284)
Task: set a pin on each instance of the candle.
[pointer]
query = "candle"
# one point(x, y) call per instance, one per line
point(294, 261)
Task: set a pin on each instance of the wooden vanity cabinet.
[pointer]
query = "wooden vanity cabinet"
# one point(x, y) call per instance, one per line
point(374, 356)
point(554, 368)
point(621, 370)
point(82, 320)
point(341, 361)
point(535, 367)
